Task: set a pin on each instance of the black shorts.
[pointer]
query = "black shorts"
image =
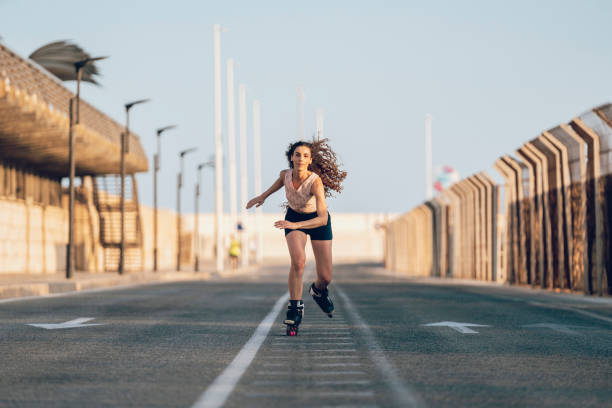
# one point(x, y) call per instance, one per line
point(322, 233)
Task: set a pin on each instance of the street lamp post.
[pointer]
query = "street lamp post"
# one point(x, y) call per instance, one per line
point(124, 149)
point(70, 249)
point(196, 243)
point(78, 66)
point(74, 120)
point(156, 166)
point(178, 207)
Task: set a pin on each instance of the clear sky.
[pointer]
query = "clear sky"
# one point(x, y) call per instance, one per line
point(492, 73)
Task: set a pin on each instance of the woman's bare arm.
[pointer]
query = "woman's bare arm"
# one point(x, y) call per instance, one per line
point(277, 185)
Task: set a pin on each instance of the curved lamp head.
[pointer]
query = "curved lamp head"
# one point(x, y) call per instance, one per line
point(186, 151)
point(128, 106)
point(207, 164)
point(80, 64)
point(162, 130)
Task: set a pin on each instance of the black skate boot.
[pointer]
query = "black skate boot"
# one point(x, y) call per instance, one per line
point(322, 299)
point(295, 312)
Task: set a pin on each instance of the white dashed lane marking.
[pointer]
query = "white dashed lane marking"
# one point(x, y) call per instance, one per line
point(315, 382)
point(329, 363)
point(324, 357)
point(308, 373)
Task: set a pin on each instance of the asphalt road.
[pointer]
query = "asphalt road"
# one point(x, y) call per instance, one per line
point(170, 345)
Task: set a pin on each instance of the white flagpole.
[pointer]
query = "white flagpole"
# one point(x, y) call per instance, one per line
point(257, 159)
point(428, 158)
point(231, 144)
point(319, 124)
point(243, 176)
point(218, 151)
point(300, 100)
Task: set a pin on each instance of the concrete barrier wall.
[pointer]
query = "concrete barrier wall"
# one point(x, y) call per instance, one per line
point(33, 237)
point(547, 225)
point(357, 236)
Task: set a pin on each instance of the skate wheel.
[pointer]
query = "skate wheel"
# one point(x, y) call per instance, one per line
point(292, 330)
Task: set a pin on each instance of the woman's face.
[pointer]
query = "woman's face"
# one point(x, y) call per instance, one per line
point(301, 157)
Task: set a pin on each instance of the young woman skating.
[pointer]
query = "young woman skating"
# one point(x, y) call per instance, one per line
point(312, 175)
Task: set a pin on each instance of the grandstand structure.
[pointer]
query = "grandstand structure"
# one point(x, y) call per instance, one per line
point(34, 136)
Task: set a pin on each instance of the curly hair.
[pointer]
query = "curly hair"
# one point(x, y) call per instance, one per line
point(324, 164)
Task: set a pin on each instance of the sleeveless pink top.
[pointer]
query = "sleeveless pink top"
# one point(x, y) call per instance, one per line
point(301, 200)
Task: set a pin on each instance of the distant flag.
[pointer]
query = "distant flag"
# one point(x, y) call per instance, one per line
point(445, 176)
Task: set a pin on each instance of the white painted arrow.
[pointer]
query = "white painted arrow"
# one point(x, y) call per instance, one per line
point(460, 327)
point(561, 328)
point(71, 324)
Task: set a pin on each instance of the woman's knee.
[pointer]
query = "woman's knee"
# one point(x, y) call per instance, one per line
point(298, 263)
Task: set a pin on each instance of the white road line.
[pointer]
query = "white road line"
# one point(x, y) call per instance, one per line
point(217, 393)
point(325, 343)
point(304, 340)
point(327, 319)
point(328, 328)
point(333, 357)
point(323, 382)
point(326, 336)
point(571, 309)
point(348, 406)
point(307, 373)
point(318, 394)
point(330, 337)
point(332, 350)
point(318, 365)
point(403, 395)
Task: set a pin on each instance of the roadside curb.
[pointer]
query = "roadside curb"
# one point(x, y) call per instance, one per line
point(55, 285)
point(432, 280)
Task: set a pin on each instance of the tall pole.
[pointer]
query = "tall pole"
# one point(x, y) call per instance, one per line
point(428, 159)
point(244, 242)
point(196, 226)
point(179, 220)
point(70, 249)
point(124, 136)
point(74, 120)
point(300, 101)
point(257, 160)
point(156, 167)
point(319, 124)
point(231, 142)
point(218, 151)
point(196, 241)
point(79, 70)
point(124, 149)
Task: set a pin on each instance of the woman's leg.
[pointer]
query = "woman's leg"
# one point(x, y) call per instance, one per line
point(322, 250)
point(296, 242)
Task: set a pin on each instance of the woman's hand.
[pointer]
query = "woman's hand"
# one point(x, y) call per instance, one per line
point(257, 201)
point(282, 224)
